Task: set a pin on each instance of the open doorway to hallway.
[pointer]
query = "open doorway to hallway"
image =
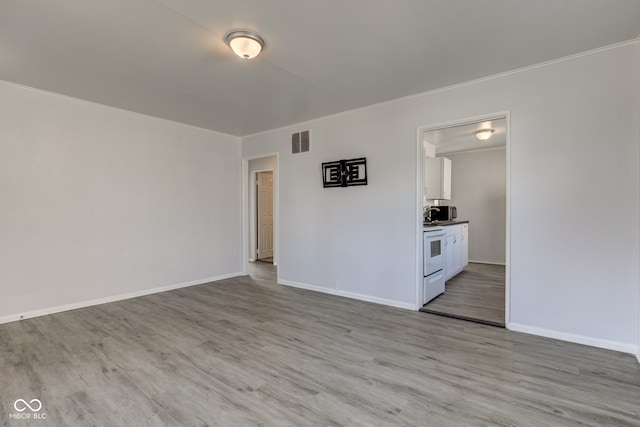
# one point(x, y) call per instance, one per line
point(468, 191)
point(264, 216)
point(260, 209)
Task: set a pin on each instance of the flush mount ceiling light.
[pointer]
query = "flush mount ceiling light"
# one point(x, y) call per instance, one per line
point(484, 134)
point(245, 44)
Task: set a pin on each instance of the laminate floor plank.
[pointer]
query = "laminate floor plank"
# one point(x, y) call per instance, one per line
point(246, 351)
point(477, 294)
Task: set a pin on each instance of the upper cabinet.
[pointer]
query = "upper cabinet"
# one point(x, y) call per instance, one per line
point(437, 178)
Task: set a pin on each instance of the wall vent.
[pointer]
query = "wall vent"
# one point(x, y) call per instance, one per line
point(300, 142)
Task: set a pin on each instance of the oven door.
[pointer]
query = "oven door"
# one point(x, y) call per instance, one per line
point(433, 251)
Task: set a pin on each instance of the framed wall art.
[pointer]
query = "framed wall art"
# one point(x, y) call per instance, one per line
point(344, 173)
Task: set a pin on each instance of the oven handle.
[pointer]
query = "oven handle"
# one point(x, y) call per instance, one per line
point(434, 233)
point(434, 277)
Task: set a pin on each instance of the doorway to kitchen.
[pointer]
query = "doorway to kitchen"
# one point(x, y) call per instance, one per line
point(468, 201)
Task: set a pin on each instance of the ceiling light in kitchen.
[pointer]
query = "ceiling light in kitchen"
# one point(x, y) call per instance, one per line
point(484, 134)
point(245, 44)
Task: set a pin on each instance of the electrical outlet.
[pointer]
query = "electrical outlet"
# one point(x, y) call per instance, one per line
point(168, 273)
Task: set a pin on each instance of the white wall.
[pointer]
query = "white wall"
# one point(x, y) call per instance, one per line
point(479, 191)
point(99, 202)
point(262, 164)
point(345, 239)
point(574, 138)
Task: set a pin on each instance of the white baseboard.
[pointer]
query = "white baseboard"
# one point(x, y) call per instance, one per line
point(487, 262)
point(579, 339)
point(347, 294)
point(252, 260)
point(105, 300)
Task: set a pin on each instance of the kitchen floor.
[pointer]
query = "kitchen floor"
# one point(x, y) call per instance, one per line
point(477, 294)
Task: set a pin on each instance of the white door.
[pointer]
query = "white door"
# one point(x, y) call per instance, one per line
point(265, 214)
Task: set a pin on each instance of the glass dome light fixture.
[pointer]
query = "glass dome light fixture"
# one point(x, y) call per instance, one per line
point(245, 44)
point(484, 134)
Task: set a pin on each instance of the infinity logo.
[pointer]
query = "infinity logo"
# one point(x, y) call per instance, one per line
point(25, 405)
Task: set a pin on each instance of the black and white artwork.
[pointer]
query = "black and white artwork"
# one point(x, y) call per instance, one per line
point(345, 173)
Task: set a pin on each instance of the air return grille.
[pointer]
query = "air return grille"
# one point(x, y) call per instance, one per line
point(300, 142)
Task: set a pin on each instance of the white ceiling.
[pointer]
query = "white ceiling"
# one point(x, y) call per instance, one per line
point(461, 138)
point(167, 58)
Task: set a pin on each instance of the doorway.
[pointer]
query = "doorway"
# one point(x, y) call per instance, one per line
point(479, 190)
point(264, 216)
point(260, 211)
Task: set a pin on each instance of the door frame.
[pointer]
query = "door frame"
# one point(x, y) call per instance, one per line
point(248, 204)
point(419, 193)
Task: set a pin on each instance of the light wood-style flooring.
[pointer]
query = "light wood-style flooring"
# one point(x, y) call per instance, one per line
point(245, 351)
point(476, 294)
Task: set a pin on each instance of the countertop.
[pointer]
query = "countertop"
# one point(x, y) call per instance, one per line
point(444, 223)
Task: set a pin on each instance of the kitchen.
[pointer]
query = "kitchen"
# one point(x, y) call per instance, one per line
point(464, 233)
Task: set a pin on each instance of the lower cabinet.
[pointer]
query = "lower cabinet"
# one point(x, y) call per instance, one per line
point(456, 249)
point(450, 254)
point(464, 247)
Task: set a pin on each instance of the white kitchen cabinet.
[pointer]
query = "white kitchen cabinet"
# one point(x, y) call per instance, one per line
point(456, 249)
point(437, 178)
point(450, 256)
point(464, 247)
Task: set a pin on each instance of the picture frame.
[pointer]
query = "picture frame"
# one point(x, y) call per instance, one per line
point(344, 173)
